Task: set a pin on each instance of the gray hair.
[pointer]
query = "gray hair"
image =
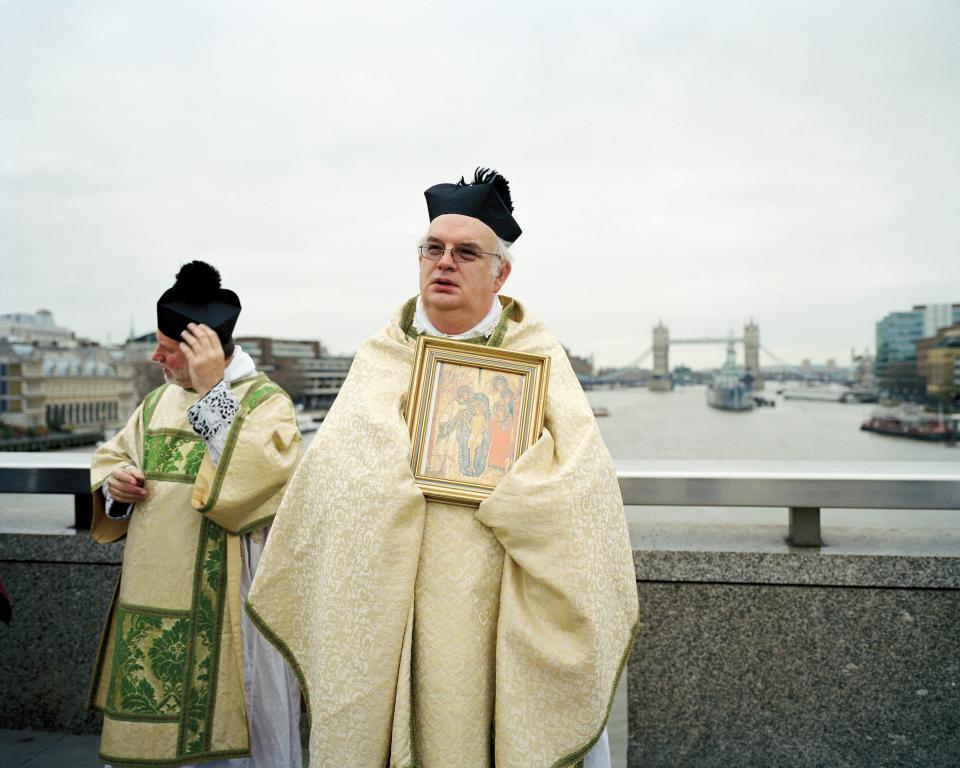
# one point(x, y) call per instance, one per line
point(503, 255)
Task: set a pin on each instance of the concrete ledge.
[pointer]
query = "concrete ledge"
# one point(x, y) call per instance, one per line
point(71, 548)
point(853, 557)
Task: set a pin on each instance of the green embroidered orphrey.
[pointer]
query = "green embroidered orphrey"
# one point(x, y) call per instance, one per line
point(169, 672)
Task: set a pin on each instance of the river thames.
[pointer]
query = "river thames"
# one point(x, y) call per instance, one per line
point(680, 425)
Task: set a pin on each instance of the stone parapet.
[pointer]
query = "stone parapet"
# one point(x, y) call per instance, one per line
point(61, 586)
point(750, 652)
point(754, 653)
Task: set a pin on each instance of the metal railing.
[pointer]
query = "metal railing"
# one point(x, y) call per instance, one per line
point(802, 488)
point(54, 473)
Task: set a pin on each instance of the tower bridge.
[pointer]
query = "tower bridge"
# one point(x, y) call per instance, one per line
point(662, 381)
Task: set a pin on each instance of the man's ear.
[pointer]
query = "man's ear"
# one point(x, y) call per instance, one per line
point(502, 277)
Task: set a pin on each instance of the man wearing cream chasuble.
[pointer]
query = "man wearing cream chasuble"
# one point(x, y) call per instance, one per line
point(439, 636)
point(193, 481)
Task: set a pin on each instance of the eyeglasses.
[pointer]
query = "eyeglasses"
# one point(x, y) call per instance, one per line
point(462, 254)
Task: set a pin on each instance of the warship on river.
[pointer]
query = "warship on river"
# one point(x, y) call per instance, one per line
point(732, 387)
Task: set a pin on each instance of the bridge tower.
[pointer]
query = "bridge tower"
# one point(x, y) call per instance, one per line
point(661, 382)
point(751, 350)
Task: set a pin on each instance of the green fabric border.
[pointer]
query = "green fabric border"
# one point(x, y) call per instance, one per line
point(188, 667)
point(575, 758)
point(215, 651)
point(150, 403)
point(198, 576)
point(415, 761)
point(233, 436)
point(175, 718)
point(495, 339)
point(250, 377)
point(205, 757)
point(170, 432)
point(185, 614)
point(256, 525)
point(284, 650)
point(171, 478)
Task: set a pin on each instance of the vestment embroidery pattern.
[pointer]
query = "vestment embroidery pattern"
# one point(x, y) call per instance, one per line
point(208, 600)
point(171, 455)
point(149, 662)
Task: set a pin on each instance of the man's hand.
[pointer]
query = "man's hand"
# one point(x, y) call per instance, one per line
point(204, 355)
point(126, 485)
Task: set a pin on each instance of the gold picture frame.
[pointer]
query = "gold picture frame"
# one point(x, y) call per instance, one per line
point(472, 411)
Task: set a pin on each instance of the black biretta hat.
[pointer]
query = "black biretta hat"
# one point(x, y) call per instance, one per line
point(196, 297)
point(486, 198)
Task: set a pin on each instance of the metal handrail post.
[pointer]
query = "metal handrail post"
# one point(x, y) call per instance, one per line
point(804, 527)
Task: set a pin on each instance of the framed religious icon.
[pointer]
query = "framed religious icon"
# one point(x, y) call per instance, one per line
point(472, 411)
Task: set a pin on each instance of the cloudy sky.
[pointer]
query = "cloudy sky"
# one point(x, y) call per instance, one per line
point(700, 162)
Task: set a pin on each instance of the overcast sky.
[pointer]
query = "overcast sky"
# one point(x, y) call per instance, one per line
point(699, 162)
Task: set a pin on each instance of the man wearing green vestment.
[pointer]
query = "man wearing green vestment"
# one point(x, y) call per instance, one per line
point(193, 482)
point(433, 635)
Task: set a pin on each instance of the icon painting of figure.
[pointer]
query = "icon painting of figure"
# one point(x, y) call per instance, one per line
point(445, 455)
point(501, 438)
point(475, 437)
point(503, 393)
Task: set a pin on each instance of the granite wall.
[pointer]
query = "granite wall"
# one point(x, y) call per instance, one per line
point(61, 586)
point(749, 653)
point(753, 653)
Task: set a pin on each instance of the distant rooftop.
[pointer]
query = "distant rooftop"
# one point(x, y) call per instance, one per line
point(37, 326)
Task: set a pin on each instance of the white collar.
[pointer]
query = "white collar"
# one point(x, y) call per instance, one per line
point(241, 365)
point(484, 328)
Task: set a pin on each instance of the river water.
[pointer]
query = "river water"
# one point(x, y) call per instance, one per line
point(680, 425)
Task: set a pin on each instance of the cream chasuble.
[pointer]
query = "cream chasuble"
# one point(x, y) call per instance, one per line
point(169, 673)
point(433, 635)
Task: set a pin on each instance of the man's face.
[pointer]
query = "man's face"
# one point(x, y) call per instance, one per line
point(173, 361)
point(465, 290)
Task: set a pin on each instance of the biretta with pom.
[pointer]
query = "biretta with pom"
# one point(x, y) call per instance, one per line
point(196, 297)
point(487, 198)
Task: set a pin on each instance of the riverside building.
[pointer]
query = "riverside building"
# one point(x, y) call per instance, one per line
point(897, 337)
point(309, 375)
point(80, 389)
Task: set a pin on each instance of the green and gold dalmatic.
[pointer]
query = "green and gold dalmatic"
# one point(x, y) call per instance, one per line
point(169, 673)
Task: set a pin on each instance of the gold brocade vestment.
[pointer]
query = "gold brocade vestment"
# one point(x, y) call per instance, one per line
point(432, 635)
point(169, 672)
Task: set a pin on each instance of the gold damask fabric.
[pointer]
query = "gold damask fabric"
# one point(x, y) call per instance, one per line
point(169, 673)
point(434, 635)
